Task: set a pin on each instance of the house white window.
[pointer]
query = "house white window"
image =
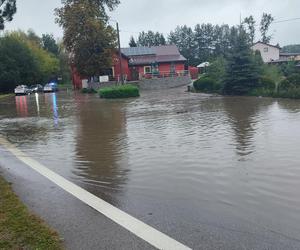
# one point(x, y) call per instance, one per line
point(266, 49)
point(147, 70)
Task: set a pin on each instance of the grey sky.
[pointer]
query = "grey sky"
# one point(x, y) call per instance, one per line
point(165, 15)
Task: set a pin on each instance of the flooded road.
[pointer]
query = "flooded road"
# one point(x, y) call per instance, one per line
point(211, 172)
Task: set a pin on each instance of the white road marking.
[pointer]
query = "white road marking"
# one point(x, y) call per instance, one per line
point(135, 226)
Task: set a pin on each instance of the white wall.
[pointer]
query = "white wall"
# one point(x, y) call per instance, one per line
point(268, 53)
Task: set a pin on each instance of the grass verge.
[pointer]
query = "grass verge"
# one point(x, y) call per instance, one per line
point(5, 95)
point(123, 91)
point(19, 229)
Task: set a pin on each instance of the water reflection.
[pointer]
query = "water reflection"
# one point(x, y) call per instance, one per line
point(244, 114)
point(101, 146)
point(21, 106)
point(51, 99)
point(37, 103)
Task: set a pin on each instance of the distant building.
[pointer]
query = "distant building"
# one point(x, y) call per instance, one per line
point(289, 56)
point(269, 53)
point(144, 62)
point(272, 53)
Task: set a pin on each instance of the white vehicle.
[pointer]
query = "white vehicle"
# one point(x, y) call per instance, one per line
point(50, 87)
point(22, 90)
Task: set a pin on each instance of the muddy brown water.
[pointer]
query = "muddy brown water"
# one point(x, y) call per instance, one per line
point(212, 172)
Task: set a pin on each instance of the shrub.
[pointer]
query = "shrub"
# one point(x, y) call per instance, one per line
point(267, 83)
point(206, 84)
point(123, 91)
point(88, 91)
point(293, 93)
point(285, 84)
point(294, 79)
point(272, 72)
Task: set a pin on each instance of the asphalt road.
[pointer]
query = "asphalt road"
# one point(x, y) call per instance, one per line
point(80, 226)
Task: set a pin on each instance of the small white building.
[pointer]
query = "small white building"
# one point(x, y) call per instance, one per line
point(269, 53)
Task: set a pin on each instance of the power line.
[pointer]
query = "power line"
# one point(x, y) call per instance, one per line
point(287, 20)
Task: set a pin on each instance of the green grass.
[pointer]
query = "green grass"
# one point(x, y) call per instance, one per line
point(88, 91)
point(5, 95)
point(123, 91)
point(64, 86)
point(19, 229)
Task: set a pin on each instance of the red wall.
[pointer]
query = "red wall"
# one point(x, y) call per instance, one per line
point(125, 67)
point(166, 67)
point(193, 72)
point(77, 80)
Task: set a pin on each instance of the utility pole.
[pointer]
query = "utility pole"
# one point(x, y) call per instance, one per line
point(120, 55)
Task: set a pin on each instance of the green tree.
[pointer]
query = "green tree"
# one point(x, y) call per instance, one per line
point(47, 63)
point(265, 23)
point(242, 73)
point(293, 48)
point(184, 38)
point(151, 38)
point(87, 35)
point(7, 10)
point(250, 24)
point(17, 63)
point(132, 42)
point(49, 44)
point(64, 66)
point(33, 37)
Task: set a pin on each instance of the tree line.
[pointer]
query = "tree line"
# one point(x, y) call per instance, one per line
point(26, 58)
point(204, 42)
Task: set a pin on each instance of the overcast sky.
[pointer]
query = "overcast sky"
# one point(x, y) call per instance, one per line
point(165, 15)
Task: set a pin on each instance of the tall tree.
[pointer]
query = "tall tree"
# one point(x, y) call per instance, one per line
point(184, 38)
point(265, 23)
point(151, 38)
point(7, 9)
point(50, 44)
point(250, 25)
point(87, 35)
point(242, 73)
point(132, 42)
point(17, 63)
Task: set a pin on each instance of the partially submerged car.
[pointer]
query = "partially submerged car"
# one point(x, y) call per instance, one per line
point(36, 88)
point(50, 87)
point(22, 90)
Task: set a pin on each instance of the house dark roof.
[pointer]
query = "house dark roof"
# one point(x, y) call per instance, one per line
point(289, 54)
point(155, 54)
point(138, 51)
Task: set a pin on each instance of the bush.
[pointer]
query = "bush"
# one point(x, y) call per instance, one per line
point(88, 91)
point(271, 72)
point(293, 93)
point(285, 84)
point(206, 84)
point(294, 79)
point(267, 83)
point(123, 91)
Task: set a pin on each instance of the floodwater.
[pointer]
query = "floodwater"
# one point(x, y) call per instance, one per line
point(212, 172)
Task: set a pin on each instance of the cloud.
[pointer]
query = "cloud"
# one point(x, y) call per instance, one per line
point(164, 15)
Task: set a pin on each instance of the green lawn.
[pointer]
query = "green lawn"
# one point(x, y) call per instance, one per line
point(19, 229)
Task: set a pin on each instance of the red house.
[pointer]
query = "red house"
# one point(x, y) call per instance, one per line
point(158, 61)
point(144, 62)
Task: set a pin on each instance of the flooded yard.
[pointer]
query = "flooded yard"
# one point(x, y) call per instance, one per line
point(213, 172)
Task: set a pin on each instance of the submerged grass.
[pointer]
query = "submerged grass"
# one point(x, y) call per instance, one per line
point(123, 91)
point(19, 229)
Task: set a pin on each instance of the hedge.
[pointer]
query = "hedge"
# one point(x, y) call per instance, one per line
point(206, 84)
point(123, 91)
